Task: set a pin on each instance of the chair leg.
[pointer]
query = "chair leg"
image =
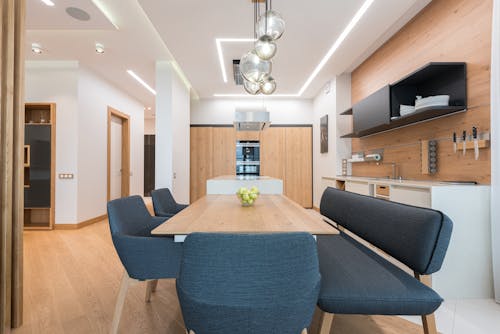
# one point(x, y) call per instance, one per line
point(149, 290)
point(154, 285)
point(325, 322)
point(429, 324)
point(120, 301)
point(428, 321)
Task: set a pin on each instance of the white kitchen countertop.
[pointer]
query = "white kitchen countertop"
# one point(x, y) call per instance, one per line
point(396, 182)
point(229, 184)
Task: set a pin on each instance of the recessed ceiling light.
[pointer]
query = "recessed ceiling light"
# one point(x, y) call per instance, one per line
point(78, 13)
point(359, 14)
point(36, 48)
point(48, 2)
point(149, 108)
point(99, 48)
point(142, 82)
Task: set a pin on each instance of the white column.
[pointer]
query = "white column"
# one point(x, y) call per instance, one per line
point(172, 132)
point(495, 144)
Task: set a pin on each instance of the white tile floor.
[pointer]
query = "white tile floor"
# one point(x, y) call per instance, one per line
point(467, 316)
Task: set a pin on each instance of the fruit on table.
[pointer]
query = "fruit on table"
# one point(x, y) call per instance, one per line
point(247, 196)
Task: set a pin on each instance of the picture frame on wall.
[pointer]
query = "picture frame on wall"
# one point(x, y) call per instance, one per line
point(323, 132)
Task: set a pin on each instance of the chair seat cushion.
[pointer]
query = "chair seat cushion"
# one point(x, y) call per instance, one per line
point(355, 280)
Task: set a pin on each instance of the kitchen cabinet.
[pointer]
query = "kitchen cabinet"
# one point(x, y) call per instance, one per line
point(285, 154)
point(224, 151)
point(272, 152)
point(201, 156)
point(298, 165)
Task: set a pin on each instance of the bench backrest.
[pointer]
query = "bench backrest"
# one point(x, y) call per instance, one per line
point(418, 237)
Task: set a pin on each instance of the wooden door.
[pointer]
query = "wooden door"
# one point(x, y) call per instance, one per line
point(201, 161)
point(272, 152)
point(224, 151)
point(298, 165)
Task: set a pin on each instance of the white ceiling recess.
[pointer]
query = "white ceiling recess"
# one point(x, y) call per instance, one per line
point(133, 45)
point(190, 28)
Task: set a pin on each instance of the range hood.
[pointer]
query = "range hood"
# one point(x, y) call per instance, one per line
point(251, 120)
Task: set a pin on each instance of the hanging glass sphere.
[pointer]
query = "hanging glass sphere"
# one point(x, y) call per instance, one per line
point(253, 68)
point(268, 85)
point(265, 47)
point(251, 87)
point(275, 25)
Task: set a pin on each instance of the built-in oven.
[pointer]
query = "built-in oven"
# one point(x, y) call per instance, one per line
point(248, 157)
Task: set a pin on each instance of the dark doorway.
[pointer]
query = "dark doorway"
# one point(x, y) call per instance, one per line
point(149, 164)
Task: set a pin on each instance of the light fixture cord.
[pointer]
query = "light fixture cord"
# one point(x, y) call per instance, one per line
point(265, 14)
point(255, 20)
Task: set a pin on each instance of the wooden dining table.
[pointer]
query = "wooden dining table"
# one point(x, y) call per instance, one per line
point(224, 214)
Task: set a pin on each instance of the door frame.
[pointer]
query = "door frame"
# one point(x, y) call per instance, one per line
point(125, 151)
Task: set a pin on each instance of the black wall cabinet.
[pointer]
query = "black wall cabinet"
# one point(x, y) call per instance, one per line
point(380, 111)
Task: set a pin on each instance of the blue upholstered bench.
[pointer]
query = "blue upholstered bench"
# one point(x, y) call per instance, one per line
point(356, 280)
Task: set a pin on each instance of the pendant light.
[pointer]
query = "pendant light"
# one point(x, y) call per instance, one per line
point(256, 65)
point(251, 88)
point(271, 24)
point(267, 85)
point(253, 68)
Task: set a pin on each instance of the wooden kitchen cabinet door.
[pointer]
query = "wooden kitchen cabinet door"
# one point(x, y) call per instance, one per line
point(224, 151)
point(272, 152)
point(298, 165)
point(202, 157)
point(247, 135)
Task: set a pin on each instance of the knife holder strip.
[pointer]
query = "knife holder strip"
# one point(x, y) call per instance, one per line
point(469, 144)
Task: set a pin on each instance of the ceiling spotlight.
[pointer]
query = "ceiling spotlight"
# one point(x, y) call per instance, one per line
point(99, 48)
point(36, 48)
point(48, 2)
point(149, 108)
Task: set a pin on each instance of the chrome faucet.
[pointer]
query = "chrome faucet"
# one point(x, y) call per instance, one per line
point(394, 169)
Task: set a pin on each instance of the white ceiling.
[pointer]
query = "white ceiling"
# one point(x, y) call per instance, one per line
point(189, 28)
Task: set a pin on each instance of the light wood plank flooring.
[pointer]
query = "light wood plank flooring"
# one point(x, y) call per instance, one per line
point(72, 279)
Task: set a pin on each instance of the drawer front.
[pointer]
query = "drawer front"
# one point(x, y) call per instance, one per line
point(358, 188)
point(383, 190)
point(411, 196)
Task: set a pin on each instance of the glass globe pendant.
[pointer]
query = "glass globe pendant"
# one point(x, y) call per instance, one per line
point(271, 24)
point(253, 68)
point(251, 87)
point(265, 47)
point(268, 85)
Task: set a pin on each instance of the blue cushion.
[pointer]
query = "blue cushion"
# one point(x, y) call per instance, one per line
point(248, 283)
point(355, 280)
point(418, 237)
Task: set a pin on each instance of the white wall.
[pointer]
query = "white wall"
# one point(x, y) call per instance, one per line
point(172, 133)
point(149, 126)
point(94, 97)
point(221, 111)
point(495, 144)
point(58, 82)
point(331, 102)
point(81, 100)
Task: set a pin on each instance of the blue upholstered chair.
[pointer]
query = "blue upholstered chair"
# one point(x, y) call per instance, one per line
point(248, 283)
point(144, 257)
point(164, 203)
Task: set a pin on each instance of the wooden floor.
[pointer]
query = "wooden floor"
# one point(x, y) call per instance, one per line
point(72, 279)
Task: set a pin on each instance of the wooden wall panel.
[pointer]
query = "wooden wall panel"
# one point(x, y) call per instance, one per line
point(224, 151)
point(11, 162)
point(446, 30)
point(272, 152)
point(201, 156)
point(298, 165)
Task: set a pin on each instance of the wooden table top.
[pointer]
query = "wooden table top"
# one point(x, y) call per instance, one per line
point(224, 214)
